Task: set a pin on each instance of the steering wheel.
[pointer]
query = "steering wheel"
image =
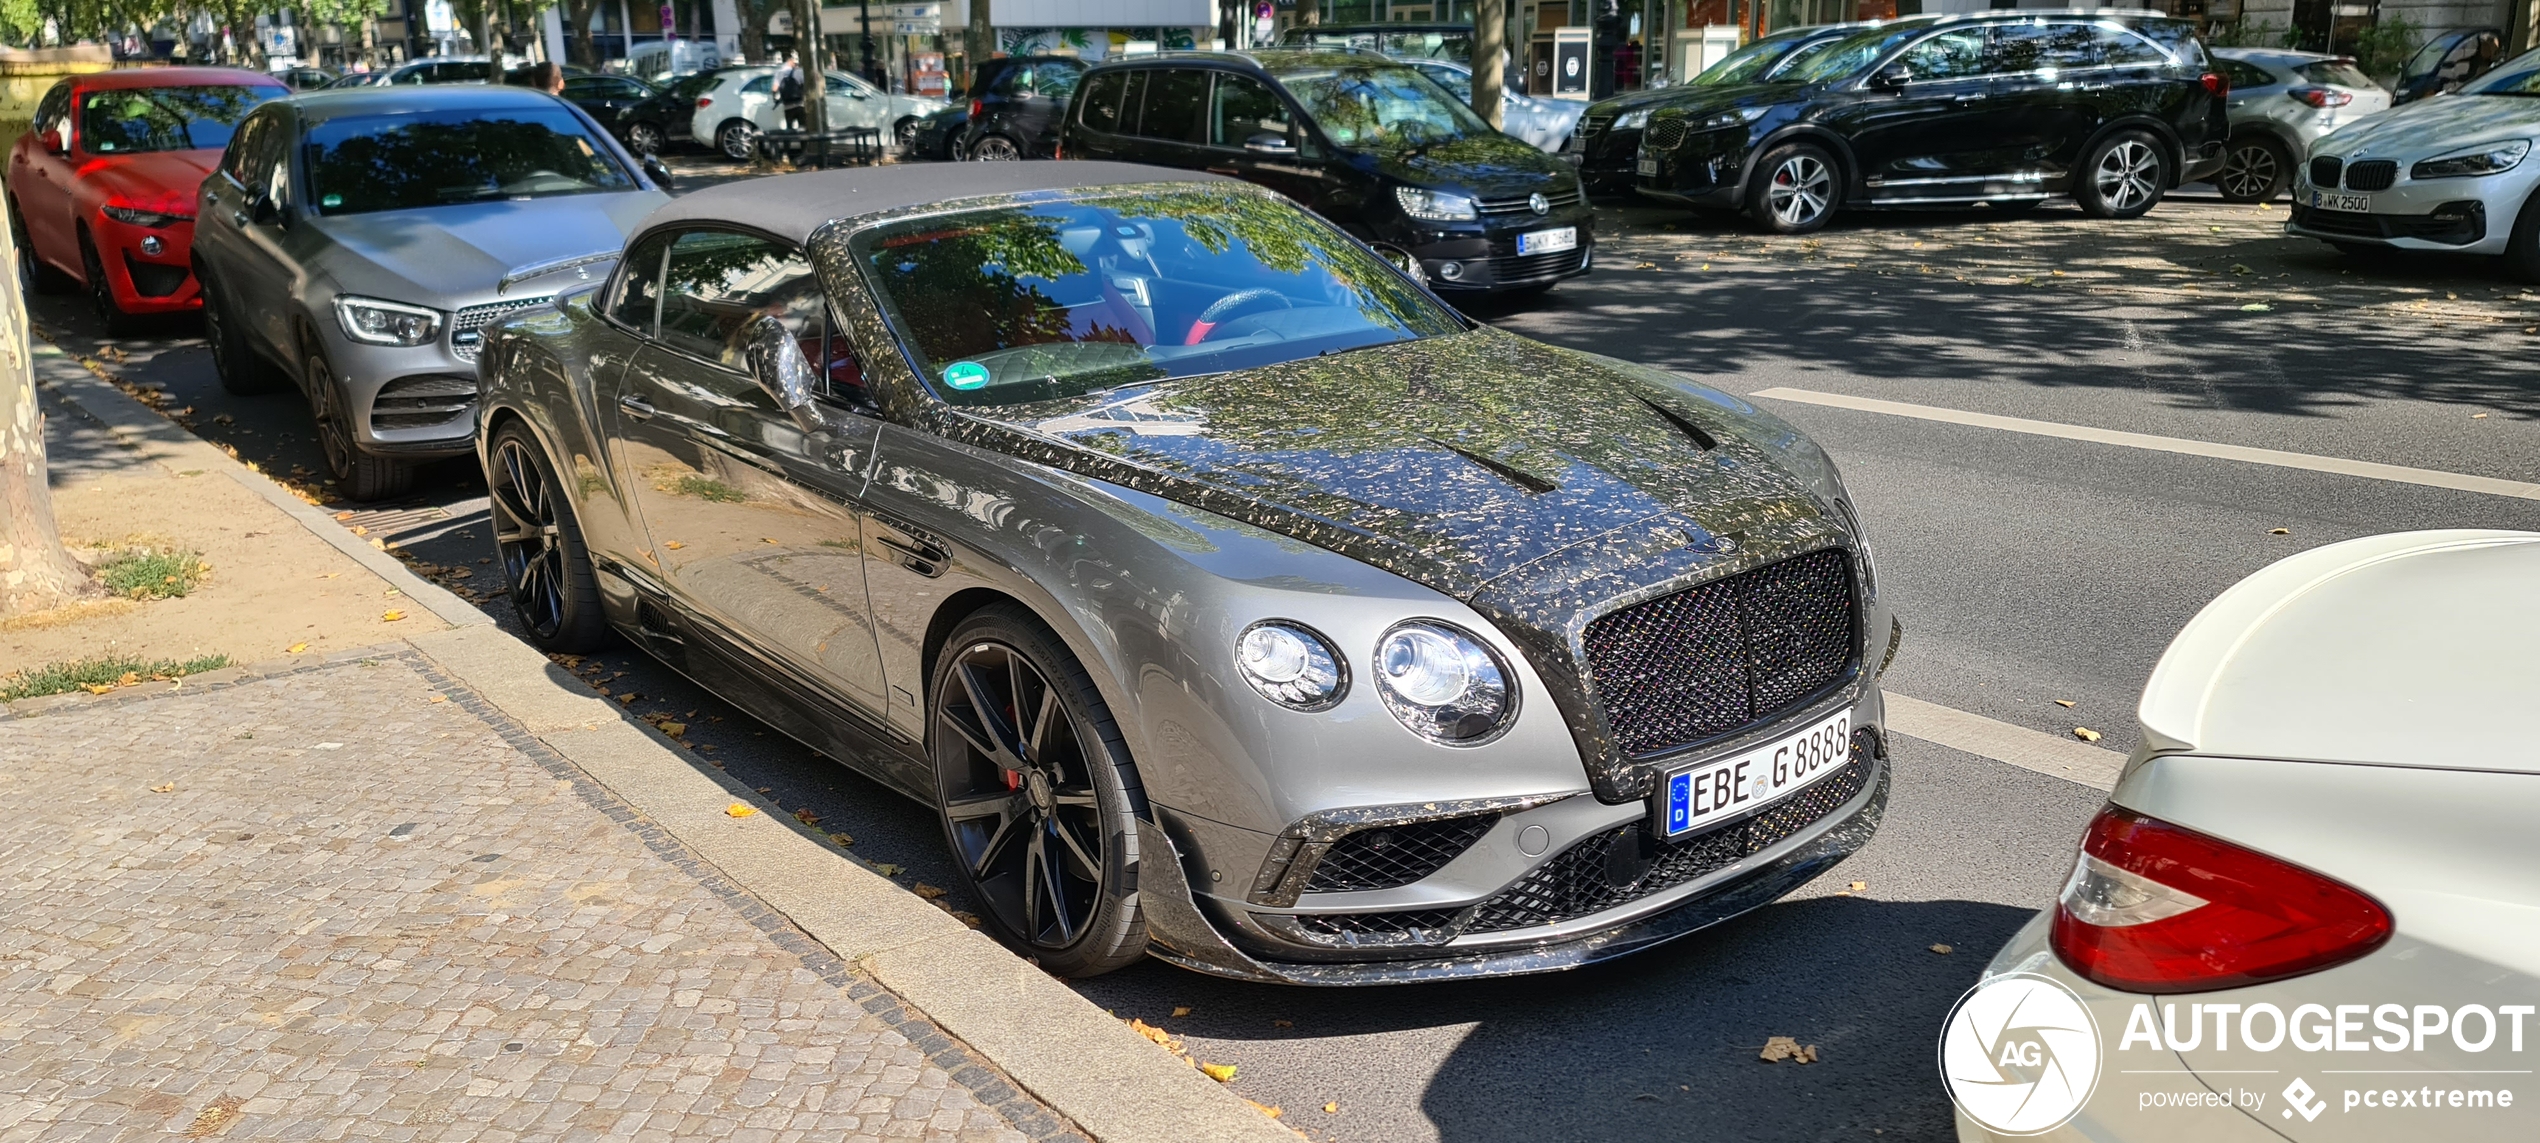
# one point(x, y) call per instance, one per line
point(1217, 311)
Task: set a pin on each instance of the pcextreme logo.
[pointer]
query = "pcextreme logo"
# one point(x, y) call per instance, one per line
point(2020, 1054)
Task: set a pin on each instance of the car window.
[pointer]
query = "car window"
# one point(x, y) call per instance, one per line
point(2246, 76)
point(53, 112)
point(717, 283)
point(1105, 94)
point(1382, 107)
point(585, 87)
point(1840, 59)
point(363, 163)
point(1242, 108)
point(638, 301)
point(1747, 64)
point(125, 120)
point(1055, 299)
point(760, 86)
point(1955, 54)
point(239, 160)
point(1455, 82)
point(2334, 73)
point(2517, 76)
point(1176, 106)
point(1057, 80)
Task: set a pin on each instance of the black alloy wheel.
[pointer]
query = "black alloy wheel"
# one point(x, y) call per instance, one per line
point(995, 149)
point(101, 293)
point(241, 369)
point(35, 276)
point(644, 138)
point(2123, 177)
point(361, 475)
point(2255, 169)
point(1037, 794)
point(1796, 190)
point(546, 567)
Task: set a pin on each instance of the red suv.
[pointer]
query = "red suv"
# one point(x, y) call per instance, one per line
point(101, 192)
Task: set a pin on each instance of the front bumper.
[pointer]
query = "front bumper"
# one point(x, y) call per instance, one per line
point(143, 281)
point(2465, 216)
point(416, 401)
point(1486, 260)
point(1193, 933)
point(1708, 169)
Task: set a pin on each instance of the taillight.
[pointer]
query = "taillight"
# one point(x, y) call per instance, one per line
point(976, 105)
point(2322, 96)
point(2152, 907)
point(2216, 83)
point(704, 101)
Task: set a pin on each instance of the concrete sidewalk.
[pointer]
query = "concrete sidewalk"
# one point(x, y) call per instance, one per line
point(262, 891)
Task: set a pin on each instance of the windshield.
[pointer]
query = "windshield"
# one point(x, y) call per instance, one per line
point(2517, 76)
point(2336, 73)
point(1749, 64)
point(399, 162)
point(1382, 108)
point(1052, 300)
point(132, 119)
point(687, 88)
point(1839, 59)
point(1422, 45)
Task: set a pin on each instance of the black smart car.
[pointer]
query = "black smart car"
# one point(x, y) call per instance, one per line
point(1017, 106)
point(1608, 138)
point(649, 126)
point(2005, 108)
point(1364, 141)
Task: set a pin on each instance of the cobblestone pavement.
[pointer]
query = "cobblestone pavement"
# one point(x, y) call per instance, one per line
point(354, 901)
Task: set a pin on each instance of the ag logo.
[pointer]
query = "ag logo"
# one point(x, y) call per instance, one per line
point(2020, 1054)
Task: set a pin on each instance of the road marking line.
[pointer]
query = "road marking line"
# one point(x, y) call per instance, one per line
point(2433, 478)
point(2093, 766)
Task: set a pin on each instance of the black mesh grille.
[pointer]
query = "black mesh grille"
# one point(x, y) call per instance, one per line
point(422, 401)
point(1508, 266)
point(1582, 879)
point(1344, 925)
point(2325, 171)
point(2372, 175)
point(1664, 135)
point(1387, 856)
point(151, 280)
point(1717, 658)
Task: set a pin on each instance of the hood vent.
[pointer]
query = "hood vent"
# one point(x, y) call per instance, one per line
point(1702, 440)
point(1533, 484)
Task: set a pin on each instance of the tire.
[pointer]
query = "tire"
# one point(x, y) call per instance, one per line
point(2522, 251)
point(101, 293)
point(995, 149)
point(2255, 169)
point(241, 369)
point(2122, 177)
point(1061, 786)
point(34, 274)
point(546, 565)
point(645, 138)
point(1795, 190)
point(361, 475)
point(738, 140)
point(904, 133)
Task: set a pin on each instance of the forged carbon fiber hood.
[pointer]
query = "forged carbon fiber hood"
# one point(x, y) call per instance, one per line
point(1451, 461)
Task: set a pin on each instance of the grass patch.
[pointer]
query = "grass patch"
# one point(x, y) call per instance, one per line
point(704, 488)
point(153, 573)
point(101, 674)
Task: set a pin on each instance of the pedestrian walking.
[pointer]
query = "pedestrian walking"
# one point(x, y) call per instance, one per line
point(789, 91)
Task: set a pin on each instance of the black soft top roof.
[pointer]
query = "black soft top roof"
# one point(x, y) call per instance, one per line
point(793, 206)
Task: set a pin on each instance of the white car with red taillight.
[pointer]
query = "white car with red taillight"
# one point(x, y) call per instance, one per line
point(2309, 910)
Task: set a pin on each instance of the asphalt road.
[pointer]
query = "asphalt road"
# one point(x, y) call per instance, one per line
point(2028, 569)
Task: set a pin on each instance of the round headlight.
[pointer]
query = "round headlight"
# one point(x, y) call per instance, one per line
point(1289, 665)
point(1442, 683)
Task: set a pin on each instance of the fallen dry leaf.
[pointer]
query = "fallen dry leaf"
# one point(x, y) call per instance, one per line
point(358, 530)
point(926, 891)
point(2256, 308)
point(1779, 1048)
point(2478, 416)
point(740, 809)
point(886, 869)
point(1263, 1108)
point(2085, 734)
point(391, 616)
point(95, 689)
point(1332, 1108)
point(1222, 1073)
point(436, 698)
point(295, 648)
point(1162, 1038)
point(1283, 1023)
point(970, 919)
point(674, 545)
point(164, 788)
point(2063, 702)
point(841, 840)
point(2279, 531)
point(1858, 886)
point(1181, 1011)
point(1943, 950)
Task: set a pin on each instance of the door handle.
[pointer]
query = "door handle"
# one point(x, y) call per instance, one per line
point(1967, 98)
point(238, 218)
point(637, 407)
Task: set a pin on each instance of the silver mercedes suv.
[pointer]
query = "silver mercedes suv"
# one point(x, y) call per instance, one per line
point(357, 242)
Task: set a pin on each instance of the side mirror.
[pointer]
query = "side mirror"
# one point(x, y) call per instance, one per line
point(51, 141)
point(777, 362)
point(657, 171)
point(1269, 143)
point(1892, 77)
point(264, 210)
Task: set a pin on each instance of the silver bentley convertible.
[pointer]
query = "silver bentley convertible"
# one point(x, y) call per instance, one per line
point(1231, 597)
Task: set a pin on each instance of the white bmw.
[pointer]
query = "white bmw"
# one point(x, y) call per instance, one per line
point(2307, 911)
point(2454, 173)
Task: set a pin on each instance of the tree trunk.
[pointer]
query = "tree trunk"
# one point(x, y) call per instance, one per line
point(577, 19)
point(35, 573)
point(981, 42)
point(753, 29)
point(1490, 59)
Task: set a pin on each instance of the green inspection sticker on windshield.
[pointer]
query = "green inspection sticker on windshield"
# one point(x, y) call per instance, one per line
point(966, 375)
point(331, 201)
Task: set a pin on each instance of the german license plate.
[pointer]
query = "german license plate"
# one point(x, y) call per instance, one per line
point(1646, 165)
point(1548, 241)
point(1724, 788)
point(2331, 200)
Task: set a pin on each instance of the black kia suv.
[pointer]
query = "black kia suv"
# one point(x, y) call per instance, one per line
point(1365, 141)
point(2006, 108)
point(1608, 136)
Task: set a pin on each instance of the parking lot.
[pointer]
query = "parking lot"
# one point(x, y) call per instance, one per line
point(1957, 365)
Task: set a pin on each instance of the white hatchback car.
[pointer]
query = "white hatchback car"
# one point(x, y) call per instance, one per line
point(2441, 174)
point(2307, 911)
point(742, 105)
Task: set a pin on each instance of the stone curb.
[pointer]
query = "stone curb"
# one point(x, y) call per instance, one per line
point(1072, 1056)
